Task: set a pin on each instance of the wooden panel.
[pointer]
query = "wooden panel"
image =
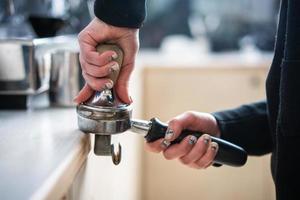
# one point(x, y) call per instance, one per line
point(175, 90)
point(171, 91)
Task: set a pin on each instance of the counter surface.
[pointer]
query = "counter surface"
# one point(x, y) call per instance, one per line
point(41, 152)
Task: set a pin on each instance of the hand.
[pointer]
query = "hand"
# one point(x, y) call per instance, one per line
point(193, 152)
point(95, 66)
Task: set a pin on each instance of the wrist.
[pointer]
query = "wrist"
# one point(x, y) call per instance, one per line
point(217, 129)
point(107, 25)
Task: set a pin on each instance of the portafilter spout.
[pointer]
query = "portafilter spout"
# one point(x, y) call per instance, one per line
point(104, 114)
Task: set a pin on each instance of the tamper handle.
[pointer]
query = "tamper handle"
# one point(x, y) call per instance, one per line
point(106, 96)
point(112, 47)
point(228, 153)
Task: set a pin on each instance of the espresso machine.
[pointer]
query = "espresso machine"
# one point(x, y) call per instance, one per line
point(25, 70)
point(32, 56)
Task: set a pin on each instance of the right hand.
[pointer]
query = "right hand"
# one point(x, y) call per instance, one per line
point(95, 66)
point(196, 153)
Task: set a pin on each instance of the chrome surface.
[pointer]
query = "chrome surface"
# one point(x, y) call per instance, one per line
point(140, 126)
point(116, 153)
point(65, 77)
point(102, 120)
point(25, 63)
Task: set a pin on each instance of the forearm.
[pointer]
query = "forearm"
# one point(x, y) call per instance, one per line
point(246, 126)
point(121, 13)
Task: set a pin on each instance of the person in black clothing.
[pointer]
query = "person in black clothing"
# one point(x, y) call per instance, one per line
point(270, 126)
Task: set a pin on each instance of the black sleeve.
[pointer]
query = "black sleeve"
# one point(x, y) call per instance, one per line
point(247, 126)
point(121, 13)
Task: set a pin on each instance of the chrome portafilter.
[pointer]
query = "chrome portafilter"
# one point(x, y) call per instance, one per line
point(104, 114)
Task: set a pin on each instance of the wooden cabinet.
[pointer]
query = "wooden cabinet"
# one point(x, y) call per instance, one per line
point(168, 91)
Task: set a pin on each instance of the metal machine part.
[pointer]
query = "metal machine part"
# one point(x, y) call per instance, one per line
point(25, 66)
point(104, 114)
point(65, 77)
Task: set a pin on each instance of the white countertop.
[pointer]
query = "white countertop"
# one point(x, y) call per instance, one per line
point(40, 153)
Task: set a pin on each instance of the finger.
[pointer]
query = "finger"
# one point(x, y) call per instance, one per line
point(208, 157)
point(84, 94)
point(177, 125)
point(123, 84)
point(91, 56)
point(198, 150)
point(98, 84)
point(155, 146)
point(88, 40)
point(181, 149)
point(97, 71)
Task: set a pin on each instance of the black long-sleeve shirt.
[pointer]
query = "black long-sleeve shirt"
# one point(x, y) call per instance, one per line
point(270, 126)
point(121, 13)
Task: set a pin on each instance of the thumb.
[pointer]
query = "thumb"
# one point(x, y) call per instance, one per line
point(84, 94)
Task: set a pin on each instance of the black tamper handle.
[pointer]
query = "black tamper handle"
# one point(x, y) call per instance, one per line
point(228, 153)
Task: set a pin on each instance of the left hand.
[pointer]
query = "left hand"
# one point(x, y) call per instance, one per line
point(195, 153)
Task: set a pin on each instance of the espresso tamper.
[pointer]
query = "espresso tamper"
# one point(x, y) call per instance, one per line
point(104, 114)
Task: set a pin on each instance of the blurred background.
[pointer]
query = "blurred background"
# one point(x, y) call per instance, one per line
point(203, 55)
point(225, 24)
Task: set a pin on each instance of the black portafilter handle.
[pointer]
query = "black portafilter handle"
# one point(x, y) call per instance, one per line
point(228, 153)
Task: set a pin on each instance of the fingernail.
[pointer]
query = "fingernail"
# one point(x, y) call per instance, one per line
point(108, 85)
point(114, 56)
point(214, 146)
point(114, 68)
point(169, 134)
point(164, 144)
point(206, 138)
point(193, 139)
